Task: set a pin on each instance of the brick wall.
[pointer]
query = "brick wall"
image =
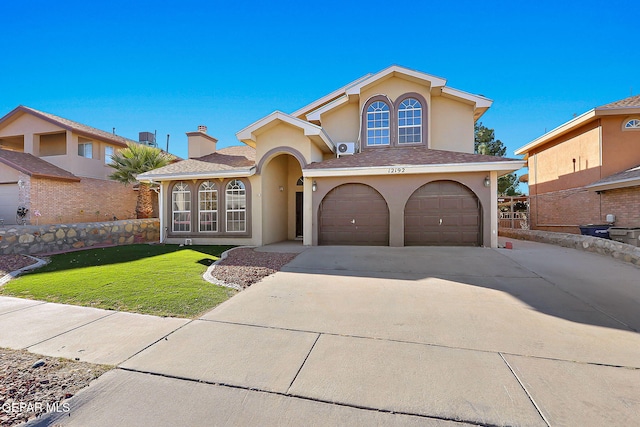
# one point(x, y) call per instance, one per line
point(564, 210)
point(89, 200)
point(624, 203)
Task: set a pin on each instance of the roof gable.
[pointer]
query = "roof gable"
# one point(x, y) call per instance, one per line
point(67, 124)
point(249, 134)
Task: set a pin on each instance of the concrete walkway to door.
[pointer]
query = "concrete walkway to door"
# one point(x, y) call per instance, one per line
point(538, 335)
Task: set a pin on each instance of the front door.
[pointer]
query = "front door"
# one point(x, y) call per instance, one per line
point(299, 225)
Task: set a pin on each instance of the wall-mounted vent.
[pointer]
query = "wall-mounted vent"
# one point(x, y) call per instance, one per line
point(345, 148)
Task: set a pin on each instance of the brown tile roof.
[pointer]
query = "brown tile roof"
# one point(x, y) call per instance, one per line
point(631, 102)
point(404, 156)
point(226, 159)
point(628, 175)
point(69, 125)
point(33, 166)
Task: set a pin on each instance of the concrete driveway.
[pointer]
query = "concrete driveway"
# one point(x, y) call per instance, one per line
point(538, 335)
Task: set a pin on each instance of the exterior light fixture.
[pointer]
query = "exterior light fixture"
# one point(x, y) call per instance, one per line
point(281, 188)
point(20, 183)
point(487, 182)
point(314, 186)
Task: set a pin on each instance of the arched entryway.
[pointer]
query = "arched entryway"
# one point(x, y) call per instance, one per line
point(442, 213)
point(281, 197)
point(353, 214)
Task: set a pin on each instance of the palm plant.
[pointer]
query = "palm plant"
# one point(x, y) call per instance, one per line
point(134, 160)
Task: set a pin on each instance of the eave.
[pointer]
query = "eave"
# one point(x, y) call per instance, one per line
point(234, 173)
point(504, 167)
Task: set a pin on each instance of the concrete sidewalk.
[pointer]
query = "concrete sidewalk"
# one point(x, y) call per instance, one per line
point(536, 336)
point(87, 334)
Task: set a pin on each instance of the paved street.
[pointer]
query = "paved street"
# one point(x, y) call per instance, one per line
point(538, 335)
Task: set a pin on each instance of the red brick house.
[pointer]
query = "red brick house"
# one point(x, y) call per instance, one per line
point(587, 168)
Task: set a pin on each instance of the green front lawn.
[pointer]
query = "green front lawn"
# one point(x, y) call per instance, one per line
point(163, 280)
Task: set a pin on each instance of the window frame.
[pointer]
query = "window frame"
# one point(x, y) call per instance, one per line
point(188, 211)
point(401, 126)
point(108, 157)
point(634, 127)
point(372, 118)
point(211, 190)
point(84, 145)
point(394, 107)
point(241, 211)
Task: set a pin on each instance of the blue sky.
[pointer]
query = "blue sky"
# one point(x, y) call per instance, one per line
point(168, 66)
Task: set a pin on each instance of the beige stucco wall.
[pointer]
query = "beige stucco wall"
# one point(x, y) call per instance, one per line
point(620, 148)
point(451, 125)
point(552, 166)
point(285, 135)
point(343, 123)
point(275, 212)
point(396, 190)
point(8, 174)
point(58, 140)
point(394, 87)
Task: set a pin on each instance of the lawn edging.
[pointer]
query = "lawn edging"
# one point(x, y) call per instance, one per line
point(38, 263)
point(617, 250)
point(209, 277)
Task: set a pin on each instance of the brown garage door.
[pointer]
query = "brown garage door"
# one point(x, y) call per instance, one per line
point(354, 214)
point(442, 213)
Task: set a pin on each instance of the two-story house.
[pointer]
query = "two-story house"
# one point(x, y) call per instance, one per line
point(385, 160)
point(587, 168)
point(58, 169)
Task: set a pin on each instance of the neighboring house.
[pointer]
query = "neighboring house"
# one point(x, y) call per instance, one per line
point(587, 168)
point(58, 169)
point(386, 160)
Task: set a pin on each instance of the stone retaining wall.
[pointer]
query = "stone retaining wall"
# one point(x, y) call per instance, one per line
point(44, 239)
point(617, 250)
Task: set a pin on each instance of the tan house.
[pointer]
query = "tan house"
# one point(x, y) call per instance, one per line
point(587, 168)
point(58, 169)
point(386, 160)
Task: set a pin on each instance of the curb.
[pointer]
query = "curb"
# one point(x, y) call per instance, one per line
point(620, 251)
point(39, 263)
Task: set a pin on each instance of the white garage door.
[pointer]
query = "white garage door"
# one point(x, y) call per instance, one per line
point(8, 202)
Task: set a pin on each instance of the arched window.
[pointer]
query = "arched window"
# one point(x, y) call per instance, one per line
point(632, 124)
point(410, 122)
point(378, 129)
point(181, 207)
point(208, 206)
point(236, 212)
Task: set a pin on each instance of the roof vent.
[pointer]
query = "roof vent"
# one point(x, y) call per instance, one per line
point(202, 128)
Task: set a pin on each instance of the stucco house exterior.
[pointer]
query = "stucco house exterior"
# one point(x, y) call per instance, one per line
point(587, 168)
point(58, 169)
point(385, 160)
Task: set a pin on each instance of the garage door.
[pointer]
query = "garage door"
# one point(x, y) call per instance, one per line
point(8, 202)
point(442, 213)
point(353, 214)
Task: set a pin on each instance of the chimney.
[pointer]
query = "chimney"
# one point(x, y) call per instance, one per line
point(201, 144)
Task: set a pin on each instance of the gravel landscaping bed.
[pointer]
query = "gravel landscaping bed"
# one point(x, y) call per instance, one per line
point(9, 263)
point(30, 384)
point(245, 266)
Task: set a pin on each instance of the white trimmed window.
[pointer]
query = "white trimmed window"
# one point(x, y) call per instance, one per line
point(208, 206)
point(632, 124)
point(410, 122)
point(378, 129)
point(108, 154)
point(181, 207)
point(236, 212)
point(85, 149)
